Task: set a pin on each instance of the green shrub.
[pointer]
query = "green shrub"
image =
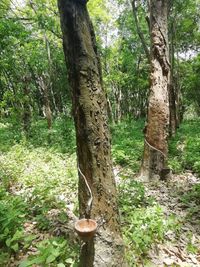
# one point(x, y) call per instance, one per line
point(12, 216)
point(45, 179)
point(143, 220)
point(192, 195)
point(184, 148)
point(52, 252)
point(132, 194)
point(145, 227)
point(127, 140)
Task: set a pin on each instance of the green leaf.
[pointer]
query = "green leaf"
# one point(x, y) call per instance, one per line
point(69, 260)
point(18, 234)
point(56, 252)
point(60, 265)
point(25, 263)
point(50, 259)
point(15, 247)
point(8, 242)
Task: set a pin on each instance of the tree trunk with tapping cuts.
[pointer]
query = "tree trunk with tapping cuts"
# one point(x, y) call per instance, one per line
point(92, 136)
point(156, 130)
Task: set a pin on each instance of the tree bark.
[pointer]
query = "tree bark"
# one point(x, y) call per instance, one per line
point(92, 137)
point(156, 130)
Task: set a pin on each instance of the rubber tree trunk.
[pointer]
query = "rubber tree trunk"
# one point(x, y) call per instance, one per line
point(156, 130)
point(92, 137)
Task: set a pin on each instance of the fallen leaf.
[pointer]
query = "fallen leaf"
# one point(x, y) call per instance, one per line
point(168, 261)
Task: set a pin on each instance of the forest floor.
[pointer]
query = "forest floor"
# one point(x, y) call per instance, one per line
point(181, 246)
point(177, 199)
point(38, 197)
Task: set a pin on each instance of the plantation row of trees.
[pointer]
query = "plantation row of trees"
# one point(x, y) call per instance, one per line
point(140, 47)
point(90, 116)
point(33, 72)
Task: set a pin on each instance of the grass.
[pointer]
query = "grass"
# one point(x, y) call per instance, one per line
point(38, 179)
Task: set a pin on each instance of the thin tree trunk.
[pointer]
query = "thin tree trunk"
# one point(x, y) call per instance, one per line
point(156, 131)
point(179, 104)
point(50, 74)
point(172, 88)
point(26, 117)
point(47, 108)
point(49, 90)
point(110, 112)
point(92, 137)
point(139, 31)
point(172, 108)
point(118, 100)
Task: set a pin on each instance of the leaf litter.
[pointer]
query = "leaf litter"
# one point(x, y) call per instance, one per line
point(180, 247)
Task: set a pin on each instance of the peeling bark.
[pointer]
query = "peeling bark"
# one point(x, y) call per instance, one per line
point(92, 137)
point(156, 130)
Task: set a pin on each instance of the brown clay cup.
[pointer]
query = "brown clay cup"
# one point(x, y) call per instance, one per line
point(86, 228)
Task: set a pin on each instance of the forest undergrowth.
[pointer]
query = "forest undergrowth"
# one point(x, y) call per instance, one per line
point(38, 197)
